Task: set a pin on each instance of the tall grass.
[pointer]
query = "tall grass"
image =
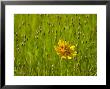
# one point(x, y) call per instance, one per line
point(35, 36)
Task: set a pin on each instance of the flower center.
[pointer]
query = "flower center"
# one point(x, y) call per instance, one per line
point(65, 50)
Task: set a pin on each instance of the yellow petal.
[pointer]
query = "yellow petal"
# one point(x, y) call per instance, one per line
point(69, 57)
point(74, 55)
point(63, 57)
point(72, 47)
point(58, 53)
point(59, 42)
point(75, 52)
point(66, 43)
point(55, 48)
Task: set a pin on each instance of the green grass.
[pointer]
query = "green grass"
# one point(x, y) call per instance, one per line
point(35, 36)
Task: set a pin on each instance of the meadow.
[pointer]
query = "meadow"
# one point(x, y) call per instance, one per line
point(35, 36)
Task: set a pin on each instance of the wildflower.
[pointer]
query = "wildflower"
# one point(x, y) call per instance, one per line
point(65, 50)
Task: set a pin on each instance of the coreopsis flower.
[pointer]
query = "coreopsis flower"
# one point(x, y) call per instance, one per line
point(65, 50)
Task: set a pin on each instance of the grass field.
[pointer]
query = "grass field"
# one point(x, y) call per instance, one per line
point(35, 36)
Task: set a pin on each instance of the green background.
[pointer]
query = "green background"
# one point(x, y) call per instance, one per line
point(35, 36)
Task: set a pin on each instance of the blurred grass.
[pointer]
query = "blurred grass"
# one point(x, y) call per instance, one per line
point(35, 36)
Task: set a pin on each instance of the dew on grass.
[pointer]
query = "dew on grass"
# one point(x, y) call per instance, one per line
point(79, 17)
point(35, 37)
point(19, 63)
point(17, 45)
point(22, 44)
point(16, 34)
point(37, 32)
point(25, 36)
point(51, 24)
point(78, 33)
point(22, 66)
point(78, 37)
point(81, 57)
point(52, 69)
point(74, 67)
point(85, 21)
point(77, 64)
point(22, 23)
point(85, 56)
point(52, 31)
point(72, 19)
point(36, 47)
point(83, 34)
point(18, 49)
point(40, 27)
point(24, 40)
point(78, 27)
point(44, 33)
point(79, 23)
point(87, 16)
point(52, 65)
point(82, 42)
point(40, 31)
